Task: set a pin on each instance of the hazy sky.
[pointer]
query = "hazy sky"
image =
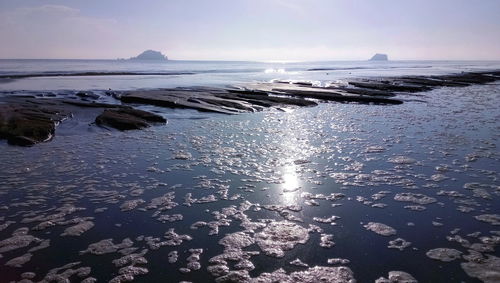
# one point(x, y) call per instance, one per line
point(251, 29)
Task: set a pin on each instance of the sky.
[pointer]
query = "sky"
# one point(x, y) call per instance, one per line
point(261, 30)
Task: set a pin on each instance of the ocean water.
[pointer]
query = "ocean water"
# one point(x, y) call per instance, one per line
point(210, 73)
point(272, 183)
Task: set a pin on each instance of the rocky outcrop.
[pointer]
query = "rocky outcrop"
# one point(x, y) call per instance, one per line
point(150, 55)
point(379, 57)
point(127, 119)
point(29, 123)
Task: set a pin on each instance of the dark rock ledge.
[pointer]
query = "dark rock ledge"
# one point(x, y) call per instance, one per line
point(27, 122)
point(255, 97)
point(127, 119)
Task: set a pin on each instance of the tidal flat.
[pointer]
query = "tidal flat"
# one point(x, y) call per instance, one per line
point(337, 192)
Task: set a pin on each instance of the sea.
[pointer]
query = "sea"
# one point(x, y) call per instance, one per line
point(336, 192)
point(164, 74)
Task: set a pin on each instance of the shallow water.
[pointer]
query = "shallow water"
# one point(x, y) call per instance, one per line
point(425, 169)
point(209, 73)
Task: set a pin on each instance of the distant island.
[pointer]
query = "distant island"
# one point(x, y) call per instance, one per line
point(379, 57)
point(150, 55)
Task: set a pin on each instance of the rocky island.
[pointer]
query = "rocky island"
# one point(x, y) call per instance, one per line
point(379, 57)
point(150, 55)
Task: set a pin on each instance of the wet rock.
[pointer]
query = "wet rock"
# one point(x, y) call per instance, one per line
point(179, 98)
point(380, 228)
point(326, 241)
point(444, 254)
point(415, 207)
point(182, 155)
point(399, 244)
point(78, 229)
point(194, 259)
point(340, 274)
point(236, 240)
point(279, 237)
point(389, 86)
point(28, 275)
point(127, 119)
point(26, 124)
point(218, 270)
point(107, 246)
point(87, 94)
point(173, 256)
point(415, 198)
point(234, 276)
point(19, 239)
point(131, 204)
point(174, 239)
point(64, 273)
point(329, 220)
point(336, 261)
point(402, 160)
point(131, 259)
point(170, 218)
point(128, 273)
point(487, 270)
point(298, 262)
point(493, 219)
point(397, 277)
point(19, 261)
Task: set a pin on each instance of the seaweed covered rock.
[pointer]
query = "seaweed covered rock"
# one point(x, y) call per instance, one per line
point(127, 119)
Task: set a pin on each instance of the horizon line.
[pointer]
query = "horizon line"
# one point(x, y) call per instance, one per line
point(256, 61)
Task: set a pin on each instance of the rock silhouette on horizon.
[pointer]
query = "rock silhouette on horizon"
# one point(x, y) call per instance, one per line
point(379, 57)
point(150, 55)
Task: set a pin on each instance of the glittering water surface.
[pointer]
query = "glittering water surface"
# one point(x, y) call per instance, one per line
point(411, 188)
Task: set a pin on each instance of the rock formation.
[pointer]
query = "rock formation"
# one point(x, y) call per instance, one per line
point(379, 57)
point(150, 55)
